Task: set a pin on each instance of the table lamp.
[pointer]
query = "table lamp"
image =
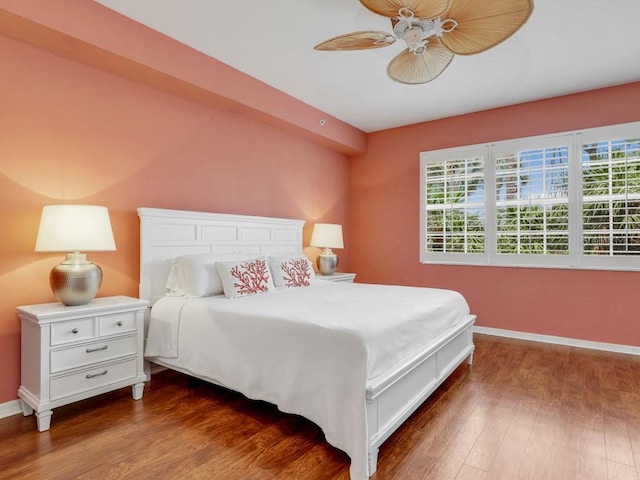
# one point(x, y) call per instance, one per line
point(327, 236)
point(72, 228)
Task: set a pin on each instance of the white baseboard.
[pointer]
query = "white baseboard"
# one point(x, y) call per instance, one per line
point(569, 342)
point(10, 408)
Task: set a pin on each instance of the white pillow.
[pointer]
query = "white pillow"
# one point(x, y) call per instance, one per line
point(175, 280)
point(245, 277)
point(291, 271)
point(195, 275)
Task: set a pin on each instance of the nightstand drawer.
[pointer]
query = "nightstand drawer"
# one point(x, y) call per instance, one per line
point(73, 331)
point(67, 385)
point(91, 353)
point(118, 323)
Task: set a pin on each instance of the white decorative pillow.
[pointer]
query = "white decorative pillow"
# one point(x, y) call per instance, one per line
point(195, 275)
point(291, 271)
point(245, 277)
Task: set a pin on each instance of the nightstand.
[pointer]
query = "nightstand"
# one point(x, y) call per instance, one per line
point(73, 353)
point(338, 277)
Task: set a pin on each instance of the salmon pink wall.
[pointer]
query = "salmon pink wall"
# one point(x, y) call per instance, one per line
point(72, 133)
point(385, 211)
point(95, 35)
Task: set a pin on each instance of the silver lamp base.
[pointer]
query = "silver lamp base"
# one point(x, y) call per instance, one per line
point(75, 281)
point(327, 262)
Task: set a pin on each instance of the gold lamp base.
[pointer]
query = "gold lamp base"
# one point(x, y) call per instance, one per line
point(75, 281)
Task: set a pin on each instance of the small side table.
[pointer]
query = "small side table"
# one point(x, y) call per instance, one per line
point(338, 277)
point(77, 352)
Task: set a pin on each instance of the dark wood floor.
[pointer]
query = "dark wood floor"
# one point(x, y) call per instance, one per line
point(522, 411)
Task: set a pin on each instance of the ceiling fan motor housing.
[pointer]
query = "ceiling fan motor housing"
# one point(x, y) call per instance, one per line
point(415, 32)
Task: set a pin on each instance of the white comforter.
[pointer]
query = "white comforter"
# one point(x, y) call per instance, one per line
point(310, 351)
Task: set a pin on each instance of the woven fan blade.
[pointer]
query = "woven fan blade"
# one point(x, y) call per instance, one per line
point(357, 41)
point(407, 67)
point(420, 8)
point(483, 24)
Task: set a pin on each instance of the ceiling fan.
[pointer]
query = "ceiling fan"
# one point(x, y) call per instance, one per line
point(435, 31)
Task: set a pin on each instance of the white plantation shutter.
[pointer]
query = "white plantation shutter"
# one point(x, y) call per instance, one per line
point(610, 162)
point(570, 200)
point(454, 199)
point(532, 199)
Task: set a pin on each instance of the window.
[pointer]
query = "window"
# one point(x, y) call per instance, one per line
point(570, 200)
point(454, 190)
point(532, 200)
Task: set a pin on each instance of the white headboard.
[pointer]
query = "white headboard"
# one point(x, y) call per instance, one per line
point(166, 234)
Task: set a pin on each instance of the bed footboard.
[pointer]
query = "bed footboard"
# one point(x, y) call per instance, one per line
point(391, 400)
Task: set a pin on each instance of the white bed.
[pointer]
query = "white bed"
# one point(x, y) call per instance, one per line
point(284, 359)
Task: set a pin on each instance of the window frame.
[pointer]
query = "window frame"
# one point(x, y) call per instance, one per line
point(575, 259)
point(444, 155)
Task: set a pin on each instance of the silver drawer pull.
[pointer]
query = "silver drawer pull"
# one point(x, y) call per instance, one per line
point(104, 347)
point(91, 375)
point(75, 330)
point(119, 323)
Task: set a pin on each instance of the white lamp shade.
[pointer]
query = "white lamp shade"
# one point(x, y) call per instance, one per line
point(327, 235)
point(74, 228)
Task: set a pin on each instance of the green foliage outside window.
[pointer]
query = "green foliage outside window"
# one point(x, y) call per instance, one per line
point(453, 223)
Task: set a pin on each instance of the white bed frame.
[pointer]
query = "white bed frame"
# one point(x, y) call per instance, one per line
point(166, 234)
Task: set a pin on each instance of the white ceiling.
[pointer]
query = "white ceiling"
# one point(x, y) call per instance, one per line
point(566, 46)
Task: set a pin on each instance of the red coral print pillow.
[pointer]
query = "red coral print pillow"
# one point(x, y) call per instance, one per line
point(292, 271)
point(245, 277)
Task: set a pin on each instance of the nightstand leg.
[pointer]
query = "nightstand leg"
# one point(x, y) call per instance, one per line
point(44, 420)
point(137, 390)
point(26, 408)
